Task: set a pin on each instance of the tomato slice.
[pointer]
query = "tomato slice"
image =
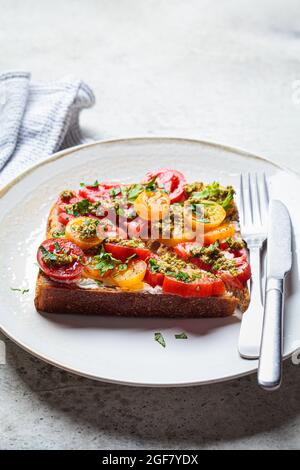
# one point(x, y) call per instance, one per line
point(94, 193)
point(154, 279)
point(199, 288)
point(210, 216)
point(183, 250)
point(124, 252)
point(64, 218)
point(131, 277)
point(70, 271)
point(220, 233)
point(171, 181)
point(238, 280)
point(83, 231)
point(62, 204)
point(152, 205)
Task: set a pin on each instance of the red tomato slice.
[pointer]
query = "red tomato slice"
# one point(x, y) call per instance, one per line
point(154, 279)
point(123, 252)
point(94, 193)
point(200, 288)
point(218, 287)
point(237, 281)
point(171, 180)
point(67, 272)
point(64, 218)
point(183, 250)
point(61, 205)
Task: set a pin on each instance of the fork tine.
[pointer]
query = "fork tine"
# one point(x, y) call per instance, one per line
point(241, 201)
point(257, 215)
point(248, 209)
point(263, 193)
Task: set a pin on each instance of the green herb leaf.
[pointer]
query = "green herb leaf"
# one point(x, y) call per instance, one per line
point(182, 276)
point(134, 191)
point(81, 207)
point(153, 265)
point(181, 336)
point(151, 185)
point(58, 233)
point(57, 247)
point(94, 185)
point(105, 261)
point(114, 191)
point(160, 339)
point(16, 289)
point(47, 255)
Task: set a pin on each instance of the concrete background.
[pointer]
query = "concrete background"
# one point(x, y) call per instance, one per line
point(226, 71)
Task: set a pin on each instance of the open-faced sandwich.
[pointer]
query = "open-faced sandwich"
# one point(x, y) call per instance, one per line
point(162, 247)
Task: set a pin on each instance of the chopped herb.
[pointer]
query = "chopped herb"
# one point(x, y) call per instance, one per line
point(227, 203)
point(151, 185)
point(58, 233)
point(182, 276)
point(134, 191)
point(160, 339)
point(81, 207)
point(114, 191)
point(47, 256)
point(214, 192)
point(57, 247)
point(94, 185)
point(105, 261)
point(124, 266)
point(153, 265)
point(16, 289)
point(181, 336)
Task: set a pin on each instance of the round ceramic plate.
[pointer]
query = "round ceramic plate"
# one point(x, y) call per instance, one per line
point(120, 349)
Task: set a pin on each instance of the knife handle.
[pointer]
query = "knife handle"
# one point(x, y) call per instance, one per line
point(270, 363)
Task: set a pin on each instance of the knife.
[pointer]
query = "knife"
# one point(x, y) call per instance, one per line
point(279, 263)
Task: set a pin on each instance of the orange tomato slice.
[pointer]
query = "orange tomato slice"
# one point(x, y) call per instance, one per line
point(152, 205)
point(131, 277)
point(220, 233)
point(210, 216)
point(83, 232)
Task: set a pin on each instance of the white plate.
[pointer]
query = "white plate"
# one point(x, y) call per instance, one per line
point(119, 349)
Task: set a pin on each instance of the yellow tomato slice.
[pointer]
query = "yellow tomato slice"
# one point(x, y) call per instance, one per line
point(211, 217)
point(83, 232)
point(220, 233)
point(187, 235)
point(131, 277)
point(152, 205)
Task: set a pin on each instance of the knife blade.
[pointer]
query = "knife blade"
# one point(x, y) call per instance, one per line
point(279, 263)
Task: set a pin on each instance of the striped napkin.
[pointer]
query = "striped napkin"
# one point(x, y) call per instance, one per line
point(38, 119)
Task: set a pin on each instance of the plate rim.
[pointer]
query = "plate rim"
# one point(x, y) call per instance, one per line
point(65, 152)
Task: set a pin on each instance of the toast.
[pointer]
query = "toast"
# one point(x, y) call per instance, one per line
point(105, 296)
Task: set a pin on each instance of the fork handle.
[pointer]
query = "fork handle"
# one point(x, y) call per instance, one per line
point(251, 326)
point(255, 261)
point(270, 364)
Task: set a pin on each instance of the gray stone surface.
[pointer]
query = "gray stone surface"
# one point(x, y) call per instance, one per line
point(222, 71)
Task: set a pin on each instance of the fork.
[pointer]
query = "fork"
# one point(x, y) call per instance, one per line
point(253, 208)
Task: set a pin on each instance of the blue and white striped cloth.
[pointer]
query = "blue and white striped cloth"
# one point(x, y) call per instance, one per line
point(38, 119)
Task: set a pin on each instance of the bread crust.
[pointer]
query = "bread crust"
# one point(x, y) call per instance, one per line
point(55, 297)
